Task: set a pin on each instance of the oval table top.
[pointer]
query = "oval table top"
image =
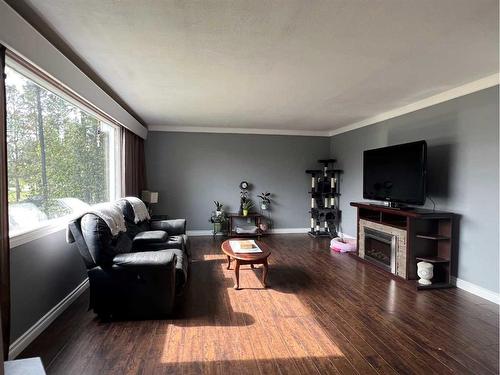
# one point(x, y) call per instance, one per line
point(226, 248)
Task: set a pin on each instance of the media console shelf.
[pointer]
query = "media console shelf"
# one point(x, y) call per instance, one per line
point(413, 235)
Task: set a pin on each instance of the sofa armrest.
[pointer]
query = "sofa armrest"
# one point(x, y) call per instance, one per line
point(150, 237)
point(173, 227)
point(144, 260)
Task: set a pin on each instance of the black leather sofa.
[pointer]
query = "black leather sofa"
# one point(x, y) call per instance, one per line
point(155, 234)
point(126, 281)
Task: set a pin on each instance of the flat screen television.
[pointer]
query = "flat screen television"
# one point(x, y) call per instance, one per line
point(396, 174)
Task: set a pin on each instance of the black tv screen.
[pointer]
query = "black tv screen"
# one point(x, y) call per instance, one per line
point(396, 173)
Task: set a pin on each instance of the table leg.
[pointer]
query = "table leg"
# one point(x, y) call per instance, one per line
point(228, 262)
point(264, 273)
point(237, 274)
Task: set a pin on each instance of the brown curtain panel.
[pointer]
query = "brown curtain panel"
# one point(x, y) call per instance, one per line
point(133, 164)
point(4, 217)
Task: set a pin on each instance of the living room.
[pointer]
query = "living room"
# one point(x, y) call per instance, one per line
point(249, 187)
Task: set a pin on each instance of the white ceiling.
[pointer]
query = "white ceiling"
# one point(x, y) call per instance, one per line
point(288, 65)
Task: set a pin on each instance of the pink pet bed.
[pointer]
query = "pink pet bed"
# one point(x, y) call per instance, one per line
point(344, 245)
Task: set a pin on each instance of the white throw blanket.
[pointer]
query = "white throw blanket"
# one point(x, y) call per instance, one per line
point(110, 213)
point(140, 210)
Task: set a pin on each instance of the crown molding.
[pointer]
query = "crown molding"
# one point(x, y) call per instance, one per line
point(202, 129)
point(454, 93)
point(468, 88)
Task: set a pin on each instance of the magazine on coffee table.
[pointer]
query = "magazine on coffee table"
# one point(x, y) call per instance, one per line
point(244, 246)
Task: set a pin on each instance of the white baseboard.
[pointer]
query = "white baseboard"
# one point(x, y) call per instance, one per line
point(31, 334)
point(289, 230)
point(476, 289)
point(196, 233)
point(348, 236)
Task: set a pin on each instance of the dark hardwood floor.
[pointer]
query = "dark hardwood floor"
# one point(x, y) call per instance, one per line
point(321, 314)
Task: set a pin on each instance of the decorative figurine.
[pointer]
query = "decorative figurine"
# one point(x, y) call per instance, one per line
point(425, 271)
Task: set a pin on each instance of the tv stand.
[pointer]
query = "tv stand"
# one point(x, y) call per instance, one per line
point(411, 235)
point(393, 205)
point(402, 208)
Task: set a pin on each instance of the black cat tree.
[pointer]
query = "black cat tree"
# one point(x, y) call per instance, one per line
point(325, 193)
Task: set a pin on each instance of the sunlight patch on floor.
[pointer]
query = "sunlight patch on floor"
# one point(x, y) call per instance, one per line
point(214, 257)
point(247, 324)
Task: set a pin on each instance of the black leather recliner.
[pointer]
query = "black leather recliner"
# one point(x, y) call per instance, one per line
point(154, 234)
point(125, 281)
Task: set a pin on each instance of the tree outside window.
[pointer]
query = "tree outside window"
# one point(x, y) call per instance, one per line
point(60, 157)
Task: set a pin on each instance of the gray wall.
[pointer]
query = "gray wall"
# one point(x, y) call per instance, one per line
point(462, 136)
point(191, 170)
point(43, 272)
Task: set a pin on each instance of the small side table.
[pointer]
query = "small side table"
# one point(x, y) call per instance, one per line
point(257, 218)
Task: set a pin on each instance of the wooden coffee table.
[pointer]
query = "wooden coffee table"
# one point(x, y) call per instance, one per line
point(247, 258)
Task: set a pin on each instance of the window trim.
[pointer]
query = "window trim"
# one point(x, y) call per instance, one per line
point(32, 72)
point(59, 90)
point(26, 69)
point(49, 228)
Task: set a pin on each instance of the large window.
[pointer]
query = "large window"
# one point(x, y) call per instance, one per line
point(61, 158)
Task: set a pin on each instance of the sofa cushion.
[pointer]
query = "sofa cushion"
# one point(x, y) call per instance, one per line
point(133, 228)
point(171, 242)
point(102, 245)
point(174, 227)
point(150, 236)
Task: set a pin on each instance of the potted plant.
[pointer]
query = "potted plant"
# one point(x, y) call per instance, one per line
point(218, 208)
point(265, 200)
point(243, 198)
point(217, 220)
point(247, 205)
